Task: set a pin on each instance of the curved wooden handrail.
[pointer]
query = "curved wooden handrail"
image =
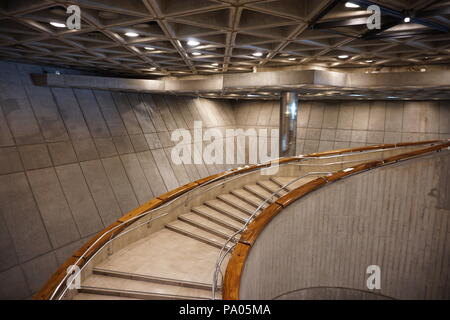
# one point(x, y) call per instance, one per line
point(236, 264)
point(97, 241)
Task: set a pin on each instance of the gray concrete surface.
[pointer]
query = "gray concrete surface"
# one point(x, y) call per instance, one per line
point(335, 125)
point(396, 217)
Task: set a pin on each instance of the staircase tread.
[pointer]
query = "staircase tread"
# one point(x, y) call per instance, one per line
point(248, 196)
point(218, 204)
point(232, 200)
point(272, 187)
point(106, 282)
point(142, 295)
point(218, 216)
point(159, 255)
point(260, 192)
point(285, 180)
point(91, 296)
point(196, 231)
point(148, 278)
point(206, 223)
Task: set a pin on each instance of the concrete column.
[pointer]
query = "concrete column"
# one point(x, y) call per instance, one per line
point(288, 123)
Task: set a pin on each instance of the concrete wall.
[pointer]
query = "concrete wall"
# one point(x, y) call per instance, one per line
point(334, 125)
point(396, 217)
point(73, 161)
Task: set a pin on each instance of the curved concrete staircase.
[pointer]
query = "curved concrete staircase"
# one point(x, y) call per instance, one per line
point(174, 253)
point(178, 261)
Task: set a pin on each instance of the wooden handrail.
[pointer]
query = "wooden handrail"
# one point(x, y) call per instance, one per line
point(236, 264)
point(97, 241)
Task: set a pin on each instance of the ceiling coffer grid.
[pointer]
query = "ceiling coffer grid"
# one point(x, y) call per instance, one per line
point(233, 36)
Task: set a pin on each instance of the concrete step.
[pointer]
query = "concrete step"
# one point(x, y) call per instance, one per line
point(130, 288)
point(217, 217)
point(167, 254)
point(135, 294)
point(237, 203)
point(91, 296)
point(227, 210)
point(206, 224)
point(249, 198)
point(260, 192)
point(282, 181)
point(151, 279)
point(271, 187)
point(196, 233)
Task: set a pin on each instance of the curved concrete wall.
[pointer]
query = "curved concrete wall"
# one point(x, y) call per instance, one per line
point(73, 161)
point(396, 217)
point(325, 125)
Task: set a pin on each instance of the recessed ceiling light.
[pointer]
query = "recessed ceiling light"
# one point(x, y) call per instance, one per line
point(193, 43)
point(356, 95)
point(423, 70)
point(149, 48)
point(215, 64)
point(292, 59)
point(351, 5)
point(257, 54)
point(152, 69)
point(58, 24)
point(132, 34)
point(407, 19)
point(343, 56)
point(369, 61)
point(196, 53)
point(392, 97)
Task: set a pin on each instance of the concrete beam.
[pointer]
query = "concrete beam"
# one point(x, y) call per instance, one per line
point(250, 82)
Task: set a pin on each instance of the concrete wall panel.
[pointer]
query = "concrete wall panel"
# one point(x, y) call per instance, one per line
point(79, 199)
point(126, 112)
point(110, 113)
point(71, 113)
point(101, 191)
point(19, 114)
point(92, 114)
point(22, 217)
point(120, 184)
point(54, 209)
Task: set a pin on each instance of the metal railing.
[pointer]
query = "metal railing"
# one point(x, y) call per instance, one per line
point(223, 254)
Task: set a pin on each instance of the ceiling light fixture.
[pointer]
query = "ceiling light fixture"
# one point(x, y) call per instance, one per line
point(58, 24)
point(193, 43)
point(215, 64)
point(257, 54)
point(343, 56)
point(407, 19)
point(196, 53)
point(369, 61)
point(132, 34)
point(152, 69)
point(351, 5)
point(292, 59)
point(149, 48)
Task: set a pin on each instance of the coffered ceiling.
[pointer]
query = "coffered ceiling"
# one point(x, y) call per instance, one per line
point(232, 35)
